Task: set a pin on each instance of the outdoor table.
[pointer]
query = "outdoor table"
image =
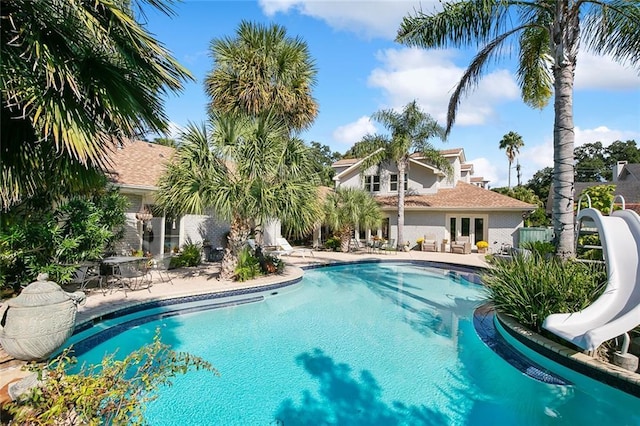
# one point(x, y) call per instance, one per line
point(110, 264)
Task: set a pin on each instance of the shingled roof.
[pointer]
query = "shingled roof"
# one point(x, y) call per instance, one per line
point(138, 163)
point(463, 197)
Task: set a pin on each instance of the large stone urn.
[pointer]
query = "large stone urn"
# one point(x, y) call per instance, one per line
point(37, 322)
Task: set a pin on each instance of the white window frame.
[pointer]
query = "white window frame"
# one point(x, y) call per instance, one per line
point(393, 181)
point(372, 183)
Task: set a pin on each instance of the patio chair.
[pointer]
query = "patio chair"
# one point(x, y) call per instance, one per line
point(390, 246)
point(131, 275)
point(160, 266)
point(429, 243)
point(285, 249)
point(85, 274)
point(462, 245)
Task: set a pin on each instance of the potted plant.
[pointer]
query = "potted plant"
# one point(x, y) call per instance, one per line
point(482, 246)
point(419, 241)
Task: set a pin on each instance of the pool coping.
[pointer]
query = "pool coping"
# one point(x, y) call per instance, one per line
point(610, 374)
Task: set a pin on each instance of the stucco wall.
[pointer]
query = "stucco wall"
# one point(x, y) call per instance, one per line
point(197, 228)
point(503, 228)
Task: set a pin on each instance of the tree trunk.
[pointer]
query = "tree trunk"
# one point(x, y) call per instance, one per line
point(565, 42)
point(402, 166)
point(238, 234)
point(509, 181)
point(345, 238)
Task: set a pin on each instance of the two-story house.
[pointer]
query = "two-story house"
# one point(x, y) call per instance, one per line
point(445, 207)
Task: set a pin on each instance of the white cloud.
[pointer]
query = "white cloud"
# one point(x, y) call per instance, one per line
point(353, 132)
point(603, 134)
point(536, 157)
point(372, 18)
point(601, 72)
point(431, 76)
point(484, 167)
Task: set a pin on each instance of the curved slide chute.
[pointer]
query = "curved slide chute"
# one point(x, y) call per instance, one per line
point(617, 311)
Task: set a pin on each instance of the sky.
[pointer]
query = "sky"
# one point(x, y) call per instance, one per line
point(360, 70)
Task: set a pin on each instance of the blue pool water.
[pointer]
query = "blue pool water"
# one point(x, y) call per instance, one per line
point(367, 344)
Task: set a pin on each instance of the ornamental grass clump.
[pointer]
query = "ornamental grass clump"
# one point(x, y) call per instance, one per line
point(530, 288)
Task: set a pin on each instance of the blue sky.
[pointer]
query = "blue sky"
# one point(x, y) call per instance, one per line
point(362, 70)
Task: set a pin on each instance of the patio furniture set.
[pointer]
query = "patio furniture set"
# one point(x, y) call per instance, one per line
point(121, 273)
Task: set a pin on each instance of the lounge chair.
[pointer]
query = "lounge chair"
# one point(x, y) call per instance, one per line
point(285, 249)
point(462, 245)
point(429, 243)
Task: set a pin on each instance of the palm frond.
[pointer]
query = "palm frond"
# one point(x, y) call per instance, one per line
point(613, 28)
point(459, 24)
point(534, 75)
point(474, 72)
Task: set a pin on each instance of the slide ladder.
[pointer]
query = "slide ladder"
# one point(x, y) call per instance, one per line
point(617, 310)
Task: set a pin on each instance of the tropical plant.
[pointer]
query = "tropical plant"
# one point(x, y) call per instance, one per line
point(112, 392)
point(545, 249)
point(530, 288)
point(511, 143)
point(547, 36)
point(349, 208)
point(333, 243)
point(248, 266)
point(190, 255)
point(411, 129)
point(75, 77)
point(260, 71)
point(55, 242)
point(249, 171)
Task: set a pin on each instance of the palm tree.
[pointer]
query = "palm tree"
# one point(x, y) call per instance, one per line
point(75, 75)
point(410, 130)
point(248, 171)
point(547, 34)
point(347, 208)
point(261, 70)
point(511, 143)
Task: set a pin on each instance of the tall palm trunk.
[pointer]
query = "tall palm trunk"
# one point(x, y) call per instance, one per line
point(402, 166)
point(509, 181)
point(345, 238)
point(565, 42)
point(238, 234)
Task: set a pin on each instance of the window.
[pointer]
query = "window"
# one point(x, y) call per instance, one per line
point(372, 183)
point(171, 234)
point(393, 183)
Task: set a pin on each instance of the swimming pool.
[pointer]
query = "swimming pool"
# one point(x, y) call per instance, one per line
point(365, 344)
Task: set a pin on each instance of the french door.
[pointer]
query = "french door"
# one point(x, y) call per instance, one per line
point(472, 226)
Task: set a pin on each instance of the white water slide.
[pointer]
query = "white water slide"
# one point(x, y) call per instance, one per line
point(617, 311)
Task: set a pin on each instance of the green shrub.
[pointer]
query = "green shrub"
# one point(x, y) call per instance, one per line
point(248, 266)
point(55, 240)
point(530, 288)
point(543, 248)
point(333, 243)
point(190, 255)
point(114, 392)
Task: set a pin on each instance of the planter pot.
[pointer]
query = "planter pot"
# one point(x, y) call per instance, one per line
point(37, 322)
point(482, 250)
